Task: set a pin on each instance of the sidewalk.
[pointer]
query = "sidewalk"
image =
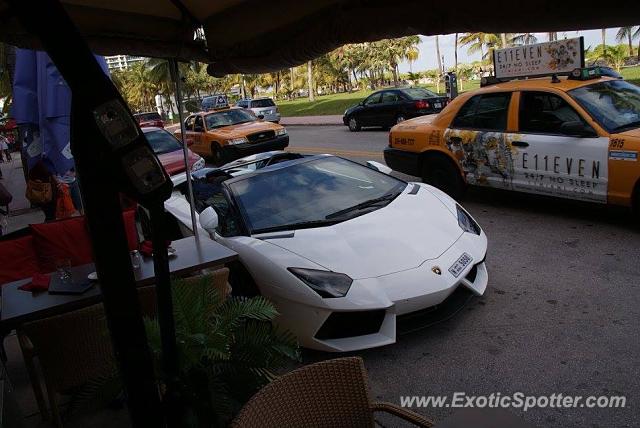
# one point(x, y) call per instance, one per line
point(13, 181)
point(20, 212)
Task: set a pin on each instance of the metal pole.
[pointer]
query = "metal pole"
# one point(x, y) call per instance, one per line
point(170, 363)
point(175, 74)
point(91, 88)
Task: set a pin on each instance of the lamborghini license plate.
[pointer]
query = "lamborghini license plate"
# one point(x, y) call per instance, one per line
point(460, 264)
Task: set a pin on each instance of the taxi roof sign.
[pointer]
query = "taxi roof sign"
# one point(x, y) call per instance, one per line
point(221, 101)
point(559, 57)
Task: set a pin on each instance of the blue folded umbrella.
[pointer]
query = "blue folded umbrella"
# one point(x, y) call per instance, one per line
point(42, 104)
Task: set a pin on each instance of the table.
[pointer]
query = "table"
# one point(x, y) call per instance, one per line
point(19, 307)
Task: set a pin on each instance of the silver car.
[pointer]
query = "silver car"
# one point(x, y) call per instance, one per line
point(262, 107)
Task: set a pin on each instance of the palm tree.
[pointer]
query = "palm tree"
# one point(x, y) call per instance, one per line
point(614, 56)
point(455, 53)
point(411, 56)
point(310, 81)
point(636, 35)
point(604, 37)
point(627, 33)
point(524, 39)
point(439, 63)
point(292, 79)
point(139, 87)
point(160, 75)
point(475, 41)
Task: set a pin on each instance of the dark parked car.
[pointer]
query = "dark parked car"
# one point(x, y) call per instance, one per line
point(390, 106)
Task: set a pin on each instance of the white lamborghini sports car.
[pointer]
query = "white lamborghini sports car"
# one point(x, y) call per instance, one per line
point(343, 250)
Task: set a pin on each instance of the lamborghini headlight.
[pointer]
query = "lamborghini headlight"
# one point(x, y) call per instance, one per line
point(280, 132)
point(325, 283)
point(235, 141)
point(466, 222)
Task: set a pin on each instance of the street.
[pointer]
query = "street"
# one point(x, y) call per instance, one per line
point(338, 140)
point(560, 314)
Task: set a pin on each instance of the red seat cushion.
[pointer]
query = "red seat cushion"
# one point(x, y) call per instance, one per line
point(18, 259)
point(69, 239)
point(130, 228)
point(60, 240)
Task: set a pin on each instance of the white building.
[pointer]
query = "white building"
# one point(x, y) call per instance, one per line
point(122, 62)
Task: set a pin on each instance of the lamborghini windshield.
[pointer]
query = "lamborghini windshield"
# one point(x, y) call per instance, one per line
point(312, 193)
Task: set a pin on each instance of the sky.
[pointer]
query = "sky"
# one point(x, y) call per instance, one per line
point(427, 57)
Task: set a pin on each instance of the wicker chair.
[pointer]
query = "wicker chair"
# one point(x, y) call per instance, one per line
point(75, 347)
point(72, 348)
point(328, 394)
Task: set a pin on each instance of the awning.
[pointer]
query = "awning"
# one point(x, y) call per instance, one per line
point(254, 36)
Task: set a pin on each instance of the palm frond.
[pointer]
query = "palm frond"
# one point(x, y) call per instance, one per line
point(228, 349)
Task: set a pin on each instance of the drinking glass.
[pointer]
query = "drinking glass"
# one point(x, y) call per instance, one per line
point(63, 269)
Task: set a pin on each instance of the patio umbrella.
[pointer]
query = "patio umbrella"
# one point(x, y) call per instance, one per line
point(274, 35)
point(42, 104)
point(284, 33)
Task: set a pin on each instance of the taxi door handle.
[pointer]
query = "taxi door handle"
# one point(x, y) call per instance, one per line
point(520, 143)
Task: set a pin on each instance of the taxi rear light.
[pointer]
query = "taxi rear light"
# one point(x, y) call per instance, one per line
point(422, 104)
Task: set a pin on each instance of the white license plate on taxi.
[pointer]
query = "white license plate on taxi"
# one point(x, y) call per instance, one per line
point(437, 105)
point(460, 264)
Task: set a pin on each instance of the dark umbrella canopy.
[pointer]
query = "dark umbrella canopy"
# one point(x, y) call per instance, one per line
point(253, 36)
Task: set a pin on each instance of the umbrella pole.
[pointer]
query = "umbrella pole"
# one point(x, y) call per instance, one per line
point(175, 75)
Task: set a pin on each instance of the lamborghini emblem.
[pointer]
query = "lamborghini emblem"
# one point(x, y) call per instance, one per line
point(436, 270)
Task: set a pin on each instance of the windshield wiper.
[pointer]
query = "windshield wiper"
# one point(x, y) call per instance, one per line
point(301, 225)
point(634, 124)
point(362, 205)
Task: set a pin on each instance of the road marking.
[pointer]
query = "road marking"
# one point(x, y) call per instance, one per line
point(323, 150)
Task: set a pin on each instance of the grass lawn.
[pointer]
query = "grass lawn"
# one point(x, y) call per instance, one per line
point(632, 74)
point(338, 103)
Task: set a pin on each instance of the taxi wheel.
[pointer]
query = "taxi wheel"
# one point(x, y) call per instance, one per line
point(354, 126)
point(216, 156)
point(444, 175)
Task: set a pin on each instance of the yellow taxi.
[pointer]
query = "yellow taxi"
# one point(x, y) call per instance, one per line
point(574, 137)
point(230, 133)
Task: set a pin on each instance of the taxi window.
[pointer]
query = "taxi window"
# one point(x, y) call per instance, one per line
point(373, 99)
point(486, 111)
point(188, 124)
point(199, 124)
point(389, 97)
point(544, 113)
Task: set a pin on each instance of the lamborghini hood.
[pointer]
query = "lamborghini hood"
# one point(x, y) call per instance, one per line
point(411, 229)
